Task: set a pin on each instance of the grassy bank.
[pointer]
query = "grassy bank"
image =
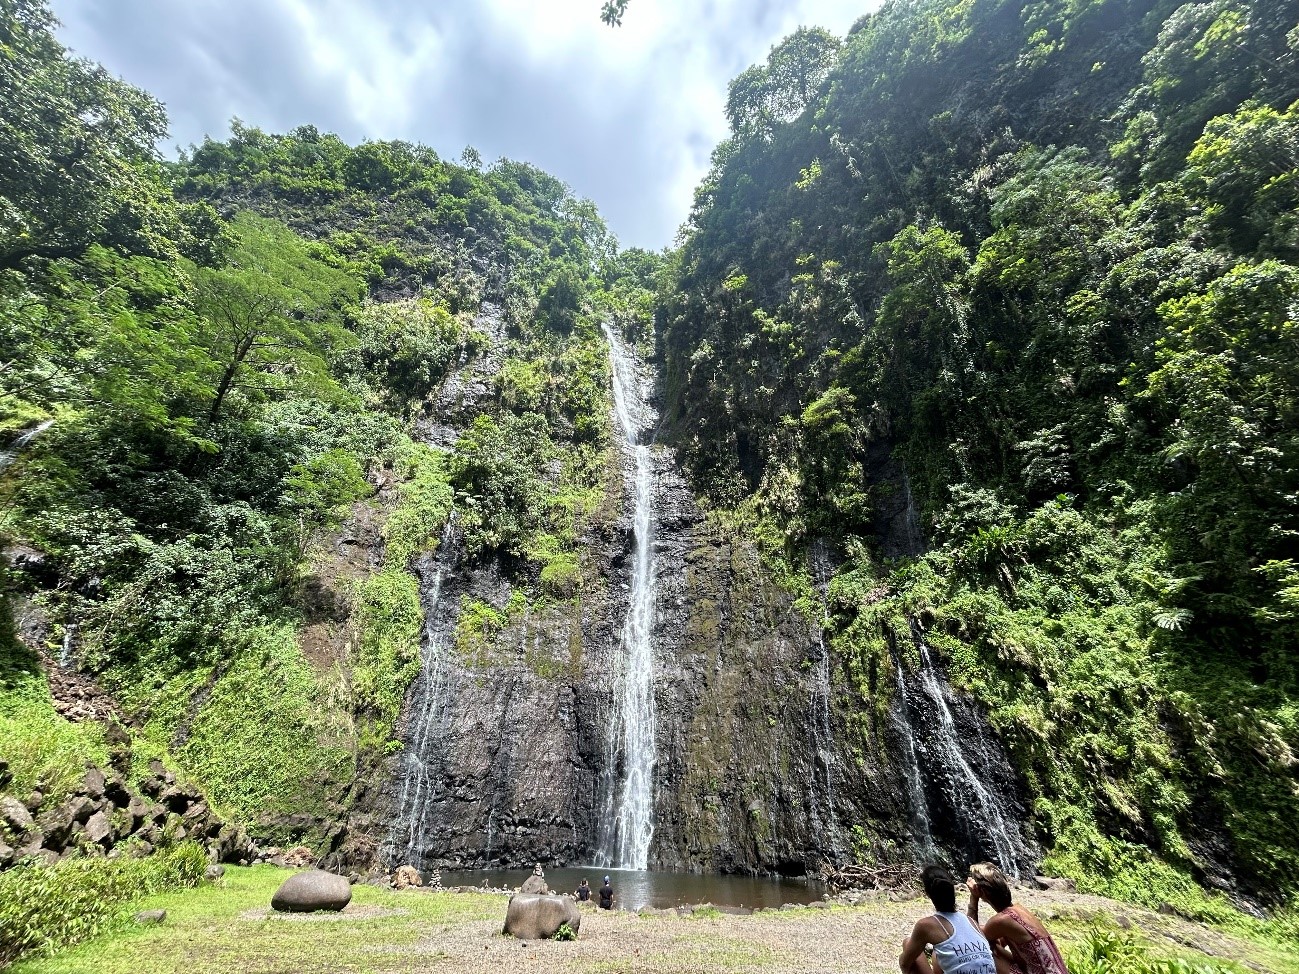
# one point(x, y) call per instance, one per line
point(224, 928)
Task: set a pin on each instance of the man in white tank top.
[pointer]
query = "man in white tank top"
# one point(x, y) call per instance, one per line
point(959, 947)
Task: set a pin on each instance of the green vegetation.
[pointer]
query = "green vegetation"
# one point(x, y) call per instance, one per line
point(1052, 276)
point(1103, 951)
point(41, 746)
point(235, 351)
point(205, 930)
point(46, 908)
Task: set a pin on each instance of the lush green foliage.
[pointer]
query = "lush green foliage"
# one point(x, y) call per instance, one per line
point(1041, 258)
point(47, 908)
point(39, 745)
point(226, 391)
point(1106, 952)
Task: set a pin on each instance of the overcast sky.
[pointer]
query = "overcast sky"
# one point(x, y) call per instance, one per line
point(626, 116)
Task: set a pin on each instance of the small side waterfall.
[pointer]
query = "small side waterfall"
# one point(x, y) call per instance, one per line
point(406, 840)
point(922, 830)
point(958, 767)
point(628, 820)
point(7, 456)
point(821, 788)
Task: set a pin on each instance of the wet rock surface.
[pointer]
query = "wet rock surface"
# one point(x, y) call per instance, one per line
point(767, 754)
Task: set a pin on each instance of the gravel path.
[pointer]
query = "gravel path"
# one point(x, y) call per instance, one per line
point(862, 939)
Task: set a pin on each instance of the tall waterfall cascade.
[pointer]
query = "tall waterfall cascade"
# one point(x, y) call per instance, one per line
point(406, 839)
point(628, 820)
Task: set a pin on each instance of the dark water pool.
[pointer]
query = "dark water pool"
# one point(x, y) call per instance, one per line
point(633, 889)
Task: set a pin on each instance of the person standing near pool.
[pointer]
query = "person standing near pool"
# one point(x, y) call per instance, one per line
point(583, 891)
point(606, 895)
point(959, 946)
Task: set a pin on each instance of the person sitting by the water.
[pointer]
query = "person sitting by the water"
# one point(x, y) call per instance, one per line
point(606, 895)
point(959, 946)
point(1020, 942)
point(583, 892)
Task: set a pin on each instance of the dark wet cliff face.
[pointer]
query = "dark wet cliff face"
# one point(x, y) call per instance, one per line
point(768, 758)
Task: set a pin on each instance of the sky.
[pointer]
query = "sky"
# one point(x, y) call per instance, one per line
point(625, 116)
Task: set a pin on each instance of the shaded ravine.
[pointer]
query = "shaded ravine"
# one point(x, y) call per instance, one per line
point(627, 824)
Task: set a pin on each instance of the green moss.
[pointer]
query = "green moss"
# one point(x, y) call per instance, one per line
point(476, 629)
point(389, 617)
point(39, 744)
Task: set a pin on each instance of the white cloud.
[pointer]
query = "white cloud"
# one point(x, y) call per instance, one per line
point(626, 116)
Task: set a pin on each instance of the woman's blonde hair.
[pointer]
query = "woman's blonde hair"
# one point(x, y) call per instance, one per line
point(992, 881)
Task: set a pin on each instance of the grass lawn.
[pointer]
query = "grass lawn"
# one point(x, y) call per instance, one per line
point(224, 929)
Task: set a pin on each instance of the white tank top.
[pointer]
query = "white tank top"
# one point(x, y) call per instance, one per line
point(966, 951)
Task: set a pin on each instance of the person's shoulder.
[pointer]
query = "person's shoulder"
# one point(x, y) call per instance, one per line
point(926, 926)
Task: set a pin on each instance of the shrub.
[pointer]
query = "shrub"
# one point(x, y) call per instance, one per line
point(565, 932)
point(1107, 952)
point(46, 908)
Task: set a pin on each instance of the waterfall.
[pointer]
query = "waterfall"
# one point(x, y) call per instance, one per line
point(822, 804)
point(628, 821)
point(406, 842)
point(947, 759)
point(922, 830)
point(20, 442)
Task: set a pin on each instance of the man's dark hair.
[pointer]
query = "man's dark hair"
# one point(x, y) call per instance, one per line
point(940, 887)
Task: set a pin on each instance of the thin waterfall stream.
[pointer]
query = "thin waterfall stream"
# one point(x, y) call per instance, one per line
point(630, 756)
point(407, 836)
point(822, 809)
point(936, 753)
point(922, 829)
point(20, 443)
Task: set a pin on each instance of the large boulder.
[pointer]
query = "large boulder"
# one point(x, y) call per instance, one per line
point(312, 890)
point(533, 917)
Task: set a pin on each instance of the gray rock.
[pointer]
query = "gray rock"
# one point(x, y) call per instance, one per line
point(1052, 883)
point(214, 872)
point(32, 844)
point(99, 827)
point(7, 855)
point(116, 792)
point(533, 917)
point(312, 890)
point(15, 815)
point(93, 784)
point(151, 916)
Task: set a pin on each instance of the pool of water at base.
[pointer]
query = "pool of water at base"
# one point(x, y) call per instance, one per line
point(635, 889)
